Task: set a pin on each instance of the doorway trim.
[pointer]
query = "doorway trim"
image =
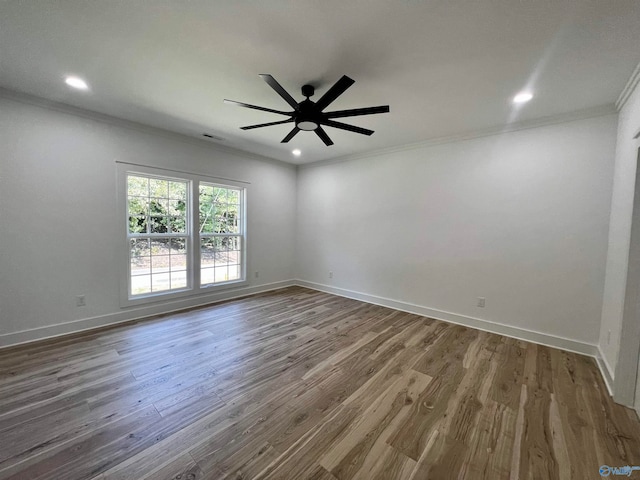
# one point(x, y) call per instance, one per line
point(626, 375)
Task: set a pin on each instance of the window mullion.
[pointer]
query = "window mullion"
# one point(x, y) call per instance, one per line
point(195, 234)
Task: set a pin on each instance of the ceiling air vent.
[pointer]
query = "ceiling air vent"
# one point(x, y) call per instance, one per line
point(213, 137)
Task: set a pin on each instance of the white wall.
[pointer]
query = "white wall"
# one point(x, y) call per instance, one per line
point(520, 218)
point(59, 230)
point(620, 233)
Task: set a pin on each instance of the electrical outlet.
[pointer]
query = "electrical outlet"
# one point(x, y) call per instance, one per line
point(257, 274)
point(80, 301)
point(480, 302)
point(330, 274)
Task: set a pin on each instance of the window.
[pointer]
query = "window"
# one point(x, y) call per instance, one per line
point(157, 213)
point(220, 238)
point(184, 233)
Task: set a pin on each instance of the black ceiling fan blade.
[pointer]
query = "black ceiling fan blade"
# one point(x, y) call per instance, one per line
point(251, 127)
point(323, 136)
point(255, 107)
point(291, 134)
point(279, 89)
point(344, 126)
point(357, 111)
point(334, 92)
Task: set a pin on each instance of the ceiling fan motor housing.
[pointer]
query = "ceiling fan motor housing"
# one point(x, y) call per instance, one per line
point(308, 91)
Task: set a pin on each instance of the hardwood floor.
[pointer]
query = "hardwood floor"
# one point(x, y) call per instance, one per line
point(298, 384)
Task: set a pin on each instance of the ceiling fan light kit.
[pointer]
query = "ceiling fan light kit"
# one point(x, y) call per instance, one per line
point(309, 116)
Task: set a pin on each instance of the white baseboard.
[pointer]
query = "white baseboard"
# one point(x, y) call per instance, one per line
point(561, 343)
point(605, 369)
point(477, 323)
point(50, 331)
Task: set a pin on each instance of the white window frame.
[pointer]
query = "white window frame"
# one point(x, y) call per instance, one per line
point(192, 234)
point(240, 234)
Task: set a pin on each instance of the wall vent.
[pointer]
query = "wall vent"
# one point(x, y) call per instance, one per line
point(213, 137)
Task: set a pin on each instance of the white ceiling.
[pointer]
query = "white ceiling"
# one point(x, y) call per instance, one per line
point(445, 67)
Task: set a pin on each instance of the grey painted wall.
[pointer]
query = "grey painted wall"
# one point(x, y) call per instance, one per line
point(519, 218)
point(59, 229)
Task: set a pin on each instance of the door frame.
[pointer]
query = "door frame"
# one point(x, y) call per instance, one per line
point(626, 374)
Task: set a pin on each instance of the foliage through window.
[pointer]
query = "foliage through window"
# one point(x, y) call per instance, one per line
point(165, 253)
point(220, 239)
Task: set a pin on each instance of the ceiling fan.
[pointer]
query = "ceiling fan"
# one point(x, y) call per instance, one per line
point(308, 115)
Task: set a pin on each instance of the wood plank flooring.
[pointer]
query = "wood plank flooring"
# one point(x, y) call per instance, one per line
point(296, 384)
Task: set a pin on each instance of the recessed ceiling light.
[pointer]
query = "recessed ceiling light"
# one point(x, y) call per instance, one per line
point(76, 82)
point(523, 97)
point(297, 152)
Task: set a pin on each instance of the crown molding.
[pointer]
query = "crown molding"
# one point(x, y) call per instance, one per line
point(140, 127)
point(129, 124)
point(593, 112)
point(629, 88)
